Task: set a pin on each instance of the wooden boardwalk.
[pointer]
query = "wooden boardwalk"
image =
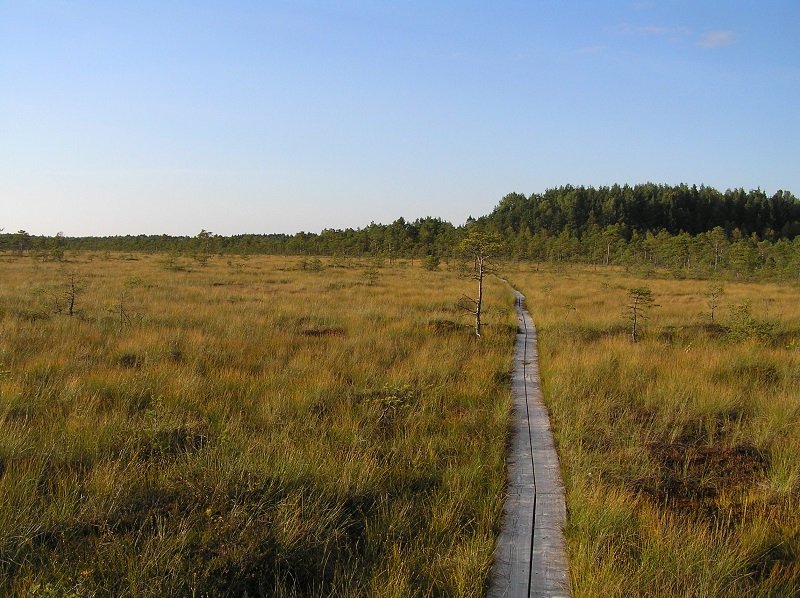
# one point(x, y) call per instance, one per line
point(530, 559)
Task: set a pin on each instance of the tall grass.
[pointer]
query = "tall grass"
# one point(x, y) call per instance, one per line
point(681, 453)
point(247, 428)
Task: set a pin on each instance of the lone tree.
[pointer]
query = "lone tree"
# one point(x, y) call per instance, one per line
point(204, 243)
point(57, 247)
point(72, 286)
point(22, 239)
point(481, 247)
point(639, 300)
point(715, 292)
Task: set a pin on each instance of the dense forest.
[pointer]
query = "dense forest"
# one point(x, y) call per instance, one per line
point(651, 208)
point(685, 230)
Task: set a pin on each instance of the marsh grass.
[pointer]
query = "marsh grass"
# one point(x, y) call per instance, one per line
point(681, 453)
point(250, 428)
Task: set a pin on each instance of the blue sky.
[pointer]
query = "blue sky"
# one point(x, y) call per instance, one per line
point(258, 117)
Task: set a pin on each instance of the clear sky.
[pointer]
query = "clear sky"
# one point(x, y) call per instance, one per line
point(130, 117)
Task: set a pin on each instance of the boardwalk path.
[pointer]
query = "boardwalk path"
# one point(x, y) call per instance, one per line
point(530, 559)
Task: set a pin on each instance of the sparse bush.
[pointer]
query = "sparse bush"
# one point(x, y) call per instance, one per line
point(370, 275)
point(171, 263)
point(431, 263)
point(315, 265)
point(744, 326)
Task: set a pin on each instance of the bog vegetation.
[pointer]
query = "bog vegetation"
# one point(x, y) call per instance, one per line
point(681, 451)
point(254, 426)
point(188, 416)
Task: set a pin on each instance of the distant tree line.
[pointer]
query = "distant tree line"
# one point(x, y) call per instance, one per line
point(401, 239)
point(651, 208)
point(688, 231)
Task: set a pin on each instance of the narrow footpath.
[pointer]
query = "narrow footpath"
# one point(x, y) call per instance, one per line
point(530, 559)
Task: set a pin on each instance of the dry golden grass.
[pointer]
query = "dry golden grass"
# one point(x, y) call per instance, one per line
point(247, 428)
point(681, 453)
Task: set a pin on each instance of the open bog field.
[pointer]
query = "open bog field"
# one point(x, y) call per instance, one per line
point(247, 427)
point(681, 453)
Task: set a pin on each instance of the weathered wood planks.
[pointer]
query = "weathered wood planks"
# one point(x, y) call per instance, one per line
point(530, 558)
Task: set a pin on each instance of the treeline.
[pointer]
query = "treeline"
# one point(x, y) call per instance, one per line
point(707, 254)
point(651, 208)
point(686, 230)
point(401, 239)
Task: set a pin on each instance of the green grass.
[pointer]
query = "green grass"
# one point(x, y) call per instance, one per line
point(248, 428)
point(681, 453)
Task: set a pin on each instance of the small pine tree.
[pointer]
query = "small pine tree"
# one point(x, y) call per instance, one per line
point(431, 263)
point(370, 275)
point(715, 292)
point(480, 248)
point(744, 326)
point(640, 299)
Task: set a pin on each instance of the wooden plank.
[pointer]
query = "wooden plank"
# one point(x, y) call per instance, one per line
point(530, 558)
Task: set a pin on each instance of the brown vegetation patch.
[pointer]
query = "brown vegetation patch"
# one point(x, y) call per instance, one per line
point(19, 414)
point(144, 504)
point(689, 333)
point(592, 334)
point(444, 327)
point(168, 441)
point(691, 477)
point(32, 315)
point(502, 378)
point(324, 331)
point(55, 473)
point(710, 429)
point(131, 361)
point(755, 374)
point(780, 560)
